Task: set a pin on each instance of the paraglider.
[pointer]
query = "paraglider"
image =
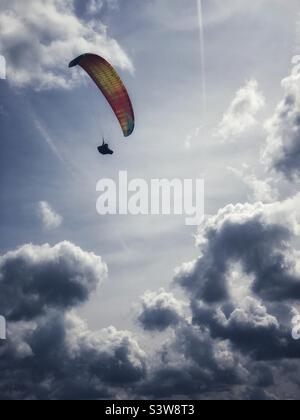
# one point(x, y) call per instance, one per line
point(104, 149)
point(110, 84)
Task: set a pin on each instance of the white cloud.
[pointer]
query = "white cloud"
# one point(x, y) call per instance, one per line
point(191, 137)
point(96, 6)
point(282, 149)
point(241, 115)
point(40, 38)
point(159, 311)
point(281, 213)
point(252, 314)
point(261, 190)
point(49, 217)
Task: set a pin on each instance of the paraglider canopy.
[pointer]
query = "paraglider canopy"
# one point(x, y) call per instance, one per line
point(112, 87)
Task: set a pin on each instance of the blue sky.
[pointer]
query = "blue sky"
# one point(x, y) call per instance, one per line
point(52, 120)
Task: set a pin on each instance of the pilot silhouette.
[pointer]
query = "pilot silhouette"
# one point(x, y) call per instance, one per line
point(104, 149)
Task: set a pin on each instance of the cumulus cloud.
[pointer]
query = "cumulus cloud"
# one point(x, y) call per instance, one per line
point(250, 327)
point(241, 293)
point(234, 343)
point(57, 357)
point(194, 365)
point(257, 236)
point(159, 311)
point(50, 353)
point(282, 150)
point(261, 189)
point(49, 217)
point(36, 278)
point(39, 39)
point(242, 112)
point(228, 352)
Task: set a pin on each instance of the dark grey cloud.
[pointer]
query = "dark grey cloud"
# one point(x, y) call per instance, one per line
point(36, 278)
point(255, 237)
point(250, 329)
point(159, 311)
point(241, 292)
point(50, 352)
point(233, 347)
point(61, 359)
point(258, 395)
point(195, 365)
point(234, 342)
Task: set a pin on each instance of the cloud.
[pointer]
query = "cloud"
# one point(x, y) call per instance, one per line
point(238, 340)
point(49, 217)
point(250, 328)
point(282, 149)
point(241, 292)
point(36, 278)
point(39, 39)
point(191, 137)
point(159, 311)
point(241, 115)
point(194, 365)
point(50, 353)
point(261, 190)
point(234, 351)
point(96, 6)
point(88, 9)
point(57, 357)
point(256, 236)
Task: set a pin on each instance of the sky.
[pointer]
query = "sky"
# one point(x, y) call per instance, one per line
point(144, 306)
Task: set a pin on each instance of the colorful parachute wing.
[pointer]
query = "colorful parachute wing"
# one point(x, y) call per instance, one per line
point(112, 87)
